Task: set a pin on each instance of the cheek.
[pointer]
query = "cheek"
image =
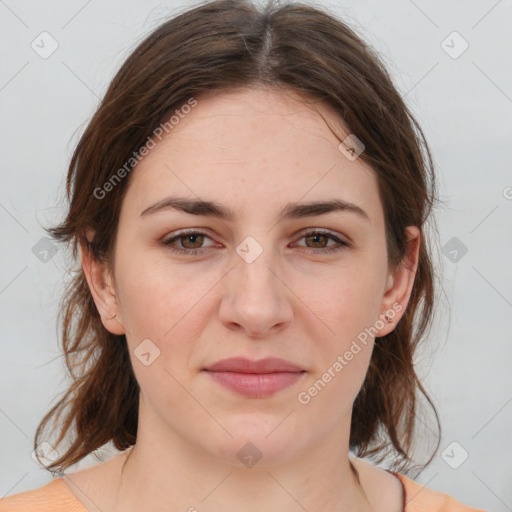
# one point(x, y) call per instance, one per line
point(347, 300)
point(162, 305)
point(157, 297)
point(341, 356)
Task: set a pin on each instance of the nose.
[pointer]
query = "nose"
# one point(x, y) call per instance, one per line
point(256, 298)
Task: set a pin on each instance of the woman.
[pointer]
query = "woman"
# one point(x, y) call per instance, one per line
point(249, 203)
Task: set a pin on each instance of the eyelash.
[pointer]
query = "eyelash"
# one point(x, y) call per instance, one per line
point(167, 243)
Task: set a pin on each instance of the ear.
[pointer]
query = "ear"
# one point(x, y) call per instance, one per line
point(399, 284)
point(101, 284)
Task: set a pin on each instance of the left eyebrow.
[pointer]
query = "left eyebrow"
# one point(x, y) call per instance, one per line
point(290, 211)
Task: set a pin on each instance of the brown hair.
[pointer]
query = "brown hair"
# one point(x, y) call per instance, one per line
point(223, 45)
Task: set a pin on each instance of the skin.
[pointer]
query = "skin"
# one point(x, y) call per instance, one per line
point(253, 151)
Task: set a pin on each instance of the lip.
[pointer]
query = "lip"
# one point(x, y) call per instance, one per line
point(244, 365)
point(255, 379)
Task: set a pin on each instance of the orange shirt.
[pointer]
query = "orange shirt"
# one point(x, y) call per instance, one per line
point(56, 497)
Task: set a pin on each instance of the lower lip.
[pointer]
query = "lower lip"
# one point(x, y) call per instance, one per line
point(256, 385)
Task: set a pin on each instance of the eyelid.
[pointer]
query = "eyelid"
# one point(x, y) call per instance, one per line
point(340, 241)
point(301, 233)
point(325, 231)
point(184, 232)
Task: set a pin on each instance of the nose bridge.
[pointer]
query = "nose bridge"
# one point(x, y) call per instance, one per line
point(256, 297)
point(256, 268)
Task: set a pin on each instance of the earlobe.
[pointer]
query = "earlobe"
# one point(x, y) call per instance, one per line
point(400, 283)
point(101, 285)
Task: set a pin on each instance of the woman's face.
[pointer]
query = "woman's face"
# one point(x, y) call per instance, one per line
point(255, 284)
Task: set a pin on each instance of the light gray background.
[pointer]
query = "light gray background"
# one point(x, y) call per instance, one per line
point(464, 105)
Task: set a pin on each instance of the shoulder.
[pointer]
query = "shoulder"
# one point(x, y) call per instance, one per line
point(419, 498)
point(52, 497)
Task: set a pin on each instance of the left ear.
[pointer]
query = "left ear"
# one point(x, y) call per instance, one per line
point(399, 283)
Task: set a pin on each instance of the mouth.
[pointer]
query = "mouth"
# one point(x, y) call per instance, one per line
point(255, 379)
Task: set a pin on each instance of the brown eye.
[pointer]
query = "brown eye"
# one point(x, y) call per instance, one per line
point(317, 239)
point(187, 242)
point(191, 241)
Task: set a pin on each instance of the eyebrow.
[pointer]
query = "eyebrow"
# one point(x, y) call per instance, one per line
point(217, 210)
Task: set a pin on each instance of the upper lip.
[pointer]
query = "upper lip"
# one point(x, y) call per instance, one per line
point(243, 365)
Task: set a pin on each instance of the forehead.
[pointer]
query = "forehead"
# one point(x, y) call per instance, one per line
point(255, 148)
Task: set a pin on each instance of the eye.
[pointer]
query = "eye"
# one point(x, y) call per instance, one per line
point(191, 242)
point(319, 237)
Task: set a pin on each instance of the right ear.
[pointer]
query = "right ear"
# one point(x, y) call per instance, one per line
point(101, 284)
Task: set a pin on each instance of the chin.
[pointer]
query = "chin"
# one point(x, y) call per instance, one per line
point(257, 445)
